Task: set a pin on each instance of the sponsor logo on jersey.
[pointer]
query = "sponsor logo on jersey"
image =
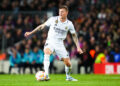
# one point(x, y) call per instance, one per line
point(58, 30)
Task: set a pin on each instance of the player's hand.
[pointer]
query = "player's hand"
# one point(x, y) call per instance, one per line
point(27, 34)
point(80, 51)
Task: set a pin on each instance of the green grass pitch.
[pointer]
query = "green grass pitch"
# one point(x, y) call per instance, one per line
point(59, 80)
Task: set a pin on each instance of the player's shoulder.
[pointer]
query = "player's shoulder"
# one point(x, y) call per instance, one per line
point(54, 17)
point(69, 21)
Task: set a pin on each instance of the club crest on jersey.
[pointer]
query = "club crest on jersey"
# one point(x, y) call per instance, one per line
point(56, 21)
point(66, 27)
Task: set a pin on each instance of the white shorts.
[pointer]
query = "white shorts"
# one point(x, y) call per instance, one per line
point(58, 47)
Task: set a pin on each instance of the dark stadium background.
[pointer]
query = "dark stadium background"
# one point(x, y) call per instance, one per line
point(97, 23)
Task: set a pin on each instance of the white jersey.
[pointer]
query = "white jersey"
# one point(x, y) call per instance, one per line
point(58, 29)
point(56, 34)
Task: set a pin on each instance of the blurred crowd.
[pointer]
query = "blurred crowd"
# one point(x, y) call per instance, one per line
point(97, 27)
point(32, 59)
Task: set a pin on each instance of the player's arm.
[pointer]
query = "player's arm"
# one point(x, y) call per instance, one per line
point(75, 38)
point(38, 28)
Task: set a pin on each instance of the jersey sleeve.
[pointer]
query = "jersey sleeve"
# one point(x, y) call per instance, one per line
point(49, 21)
point(71, 28)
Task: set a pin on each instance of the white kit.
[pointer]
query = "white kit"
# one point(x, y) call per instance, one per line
point(57, 33)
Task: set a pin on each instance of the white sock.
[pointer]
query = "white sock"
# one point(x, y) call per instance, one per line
point(46, 64)
point(68, 70)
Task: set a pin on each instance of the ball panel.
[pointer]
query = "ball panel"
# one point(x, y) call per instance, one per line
point(40, 76)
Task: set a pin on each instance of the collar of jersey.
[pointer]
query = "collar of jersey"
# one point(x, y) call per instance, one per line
point(62, 22)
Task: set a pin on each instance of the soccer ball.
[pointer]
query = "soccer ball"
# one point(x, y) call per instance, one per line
point(40, 76)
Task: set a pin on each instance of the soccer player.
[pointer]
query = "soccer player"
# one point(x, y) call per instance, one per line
point(59, 26)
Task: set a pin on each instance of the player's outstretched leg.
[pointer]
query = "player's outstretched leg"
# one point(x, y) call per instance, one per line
point(46, 65)
point(68, 70)
point(47, 62)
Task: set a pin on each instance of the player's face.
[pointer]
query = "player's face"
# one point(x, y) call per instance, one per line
point(63, 13)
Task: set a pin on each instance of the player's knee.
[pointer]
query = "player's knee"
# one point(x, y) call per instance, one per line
point(67, 63)
point(47, 51)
